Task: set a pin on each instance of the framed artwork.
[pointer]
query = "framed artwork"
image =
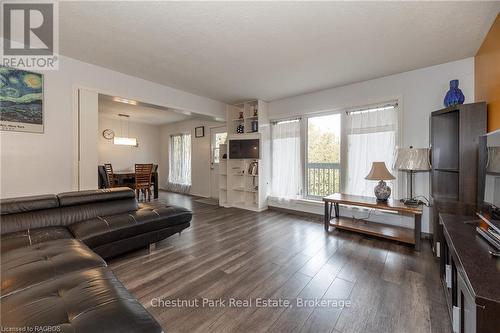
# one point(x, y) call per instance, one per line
point(199, 132)
point(21, 100)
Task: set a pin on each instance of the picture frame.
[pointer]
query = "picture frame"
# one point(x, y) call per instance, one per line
point(22, 111)
point(199, 132)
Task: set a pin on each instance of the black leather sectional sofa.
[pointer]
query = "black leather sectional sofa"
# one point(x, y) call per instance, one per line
point(54, 277)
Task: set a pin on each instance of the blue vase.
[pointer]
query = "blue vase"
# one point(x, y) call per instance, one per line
point(454, 96)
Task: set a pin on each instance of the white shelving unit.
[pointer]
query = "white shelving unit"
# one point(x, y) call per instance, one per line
point(223, 176)
point(237, 187)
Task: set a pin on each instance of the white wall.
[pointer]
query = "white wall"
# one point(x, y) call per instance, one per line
point(200, 154)
point(124, 157)
point(420, 91)
point(44, 163)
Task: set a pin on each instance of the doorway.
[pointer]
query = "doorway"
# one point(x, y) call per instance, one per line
point(218, 135)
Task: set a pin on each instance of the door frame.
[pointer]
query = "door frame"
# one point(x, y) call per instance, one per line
point(214, 130)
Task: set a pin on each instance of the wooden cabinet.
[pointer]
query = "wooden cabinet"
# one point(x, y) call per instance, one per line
point(470, 276)
point(454, 135)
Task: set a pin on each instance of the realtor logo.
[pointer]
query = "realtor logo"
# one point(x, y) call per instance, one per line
point(30, 35)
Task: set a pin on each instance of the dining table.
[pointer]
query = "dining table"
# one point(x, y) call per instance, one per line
point(125, 177)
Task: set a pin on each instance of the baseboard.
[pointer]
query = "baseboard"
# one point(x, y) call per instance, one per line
point(296, 212)
point(426, 235)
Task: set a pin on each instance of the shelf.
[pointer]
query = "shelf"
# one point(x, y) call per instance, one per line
point(222, 174)
point(252, 117)
point(446, 198)
point(239, 119)
point(446, 170)
point(401, 234)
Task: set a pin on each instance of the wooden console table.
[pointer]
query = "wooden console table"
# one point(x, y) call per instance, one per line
point(401, 234)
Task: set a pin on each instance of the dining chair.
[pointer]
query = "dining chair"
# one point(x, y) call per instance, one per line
point(110, 176)
point(102, 178)
point(142, 184)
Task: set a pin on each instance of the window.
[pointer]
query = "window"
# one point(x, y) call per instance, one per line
point(179, 172)
point(286, 159)
point(323, 155)
point(339, 149)
point(371, 137)
point(219, 139)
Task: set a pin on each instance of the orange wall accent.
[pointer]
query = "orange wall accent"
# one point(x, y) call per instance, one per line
point(487, 74)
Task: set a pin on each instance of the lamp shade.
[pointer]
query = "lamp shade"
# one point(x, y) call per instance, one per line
point(379, 172)
point(414, 159)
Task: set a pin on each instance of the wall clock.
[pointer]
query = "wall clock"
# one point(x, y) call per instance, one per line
point(108, 134)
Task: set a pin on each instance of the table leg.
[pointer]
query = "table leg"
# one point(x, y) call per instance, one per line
point(155, 186)
point(337, 210)
point(418, 230)
point(327, 216)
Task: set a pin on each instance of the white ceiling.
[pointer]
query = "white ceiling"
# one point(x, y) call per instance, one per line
point(139, 113)
point(270, 50)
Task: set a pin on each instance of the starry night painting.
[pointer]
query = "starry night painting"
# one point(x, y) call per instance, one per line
point(21, 100)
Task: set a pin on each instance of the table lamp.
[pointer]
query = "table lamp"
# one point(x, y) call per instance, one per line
point(379, 172)
point(412, 160)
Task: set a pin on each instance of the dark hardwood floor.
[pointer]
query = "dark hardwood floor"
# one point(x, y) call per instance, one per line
point(237, 254)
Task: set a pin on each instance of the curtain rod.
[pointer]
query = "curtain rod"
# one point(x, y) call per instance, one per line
point(373, 107)
point(274, 122)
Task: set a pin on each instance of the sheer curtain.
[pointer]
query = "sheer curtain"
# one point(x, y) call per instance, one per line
point(286, 162)
point(179, 171)
point(371, 137)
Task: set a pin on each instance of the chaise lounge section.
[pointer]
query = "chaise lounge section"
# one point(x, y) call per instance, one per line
point(52, 259)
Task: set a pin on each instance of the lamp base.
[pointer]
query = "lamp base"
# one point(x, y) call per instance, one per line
point(382, 191)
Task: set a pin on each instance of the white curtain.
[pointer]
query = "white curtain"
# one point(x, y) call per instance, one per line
point(286, 162)
point(179, 171)
point(371, 137)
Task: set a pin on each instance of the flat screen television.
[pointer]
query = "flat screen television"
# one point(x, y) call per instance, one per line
point(488, 202)
point(244, 149)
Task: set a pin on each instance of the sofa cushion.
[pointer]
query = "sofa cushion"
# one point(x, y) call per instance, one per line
point(27, 204)
point(91, 196)
point(86, 301)
point(25, 213)
point(33, 236)
point(25, 267)
point(108, 229)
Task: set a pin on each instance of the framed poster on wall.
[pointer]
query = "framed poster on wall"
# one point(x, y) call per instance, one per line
point(199, 132)
point(21, 100)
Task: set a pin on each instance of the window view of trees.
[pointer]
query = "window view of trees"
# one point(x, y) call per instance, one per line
point(220, 138)
point(323, 155)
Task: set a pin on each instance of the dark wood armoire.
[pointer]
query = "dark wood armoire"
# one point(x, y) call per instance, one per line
point(454, 137)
